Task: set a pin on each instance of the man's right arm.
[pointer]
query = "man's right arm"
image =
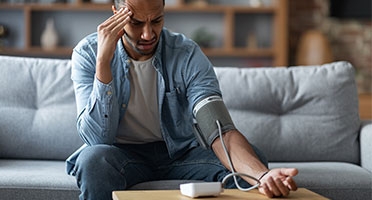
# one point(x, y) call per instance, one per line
point(97, 108)
point(96, 101)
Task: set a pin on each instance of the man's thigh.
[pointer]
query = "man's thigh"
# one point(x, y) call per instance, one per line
point(108, 163)
point(196, 164)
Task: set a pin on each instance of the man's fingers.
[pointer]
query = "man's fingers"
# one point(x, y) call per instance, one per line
point(290, 183)
point(272, 185)
point(284, 190)
point(111, 19)
point(117, 21)
point(109, 32)
point(289, 171)
point(266, 191)
point(122, 21)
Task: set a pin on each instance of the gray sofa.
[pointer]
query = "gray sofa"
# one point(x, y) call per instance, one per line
point(304, 117)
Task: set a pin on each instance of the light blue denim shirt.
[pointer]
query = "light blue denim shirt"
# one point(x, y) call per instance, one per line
point(185, 76)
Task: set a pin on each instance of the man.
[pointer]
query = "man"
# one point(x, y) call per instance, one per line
point(137, 85)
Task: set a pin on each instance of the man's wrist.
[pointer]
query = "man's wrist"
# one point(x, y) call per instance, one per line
point(264, 174)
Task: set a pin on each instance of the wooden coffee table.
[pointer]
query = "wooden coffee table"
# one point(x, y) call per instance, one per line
point(230, 194)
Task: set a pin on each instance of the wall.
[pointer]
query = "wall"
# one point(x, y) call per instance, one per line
point(350, 39)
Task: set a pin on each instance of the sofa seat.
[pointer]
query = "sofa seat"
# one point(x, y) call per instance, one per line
point(47, 179)
point(36, 179)
point(40, 179)
point(335, 180)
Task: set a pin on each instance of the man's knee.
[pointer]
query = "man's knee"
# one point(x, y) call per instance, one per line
point(102, 163)
point(97, 160)
point(93, 155)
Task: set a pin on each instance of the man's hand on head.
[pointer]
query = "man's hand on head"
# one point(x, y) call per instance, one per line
point(110, 31)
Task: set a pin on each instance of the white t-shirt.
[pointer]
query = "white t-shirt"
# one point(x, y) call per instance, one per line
point(141, 123)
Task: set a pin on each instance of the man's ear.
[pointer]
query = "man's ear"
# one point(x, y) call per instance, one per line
point(113, 9)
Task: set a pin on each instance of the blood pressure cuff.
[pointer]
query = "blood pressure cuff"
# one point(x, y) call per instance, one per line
point(206, 113)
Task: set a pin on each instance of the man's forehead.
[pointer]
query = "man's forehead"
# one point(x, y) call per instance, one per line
point(145, 11)
point(149, 4)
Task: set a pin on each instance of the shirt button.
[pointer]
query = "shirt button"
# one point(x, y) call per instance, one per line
point(109, 92)
point(123, 105)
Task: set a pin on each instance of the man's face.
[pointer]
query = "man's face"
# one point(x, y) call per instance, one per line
point(142, 32)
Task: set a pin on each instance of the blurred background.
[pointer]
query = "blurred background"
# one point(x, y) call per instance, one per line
point(241, 33)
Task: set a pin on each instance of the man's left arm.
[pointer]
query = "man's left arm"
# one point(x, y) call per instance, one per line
point(274, 182)
point(202, 82)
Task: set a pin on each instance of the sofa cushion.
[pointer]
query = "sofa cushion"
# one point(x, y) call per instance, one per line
point(297, 113)
point(35, 179)
point(37, 105)
point(335, 180)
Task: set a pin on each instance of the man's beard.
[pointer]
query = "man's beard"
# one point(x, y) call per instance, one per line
point(132, 44)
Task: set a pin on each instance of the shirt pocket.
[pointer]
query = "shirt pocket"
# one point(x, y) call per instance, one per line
point(174, 108)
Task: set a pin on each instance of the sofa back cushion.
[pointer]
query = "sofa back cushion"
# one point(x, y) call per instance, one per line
point(38, 111)
point(297, 113)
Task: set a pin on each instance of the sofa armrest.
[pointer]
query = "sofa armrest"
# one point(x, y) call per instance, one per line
point(366, 145)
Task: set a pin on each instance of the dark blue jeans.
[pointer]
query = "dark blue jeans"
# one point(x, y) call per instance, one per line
point(101, 169)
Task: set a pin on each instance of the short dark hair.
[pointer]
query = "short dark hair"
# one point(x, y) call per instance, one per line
point(120, 2)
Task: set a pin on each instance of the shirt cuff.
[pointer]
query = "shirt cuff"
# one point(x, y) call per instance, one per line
point(101, 90)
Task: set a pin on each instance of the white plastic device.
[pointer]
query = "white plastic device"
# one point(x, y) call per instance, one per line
point(194, 190)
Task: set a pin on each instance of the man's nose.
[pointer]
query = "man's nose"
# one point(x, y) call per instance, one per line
point(147, 33)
